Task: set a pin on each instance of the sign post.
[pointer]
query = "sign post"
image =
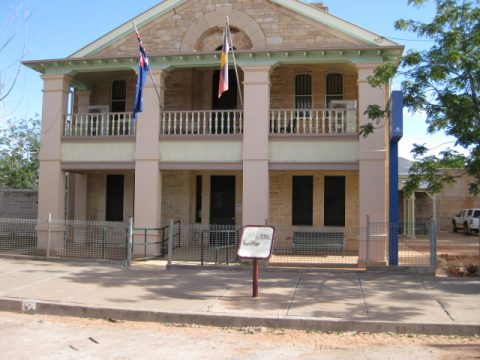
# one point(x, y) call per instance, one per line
point(256, 243)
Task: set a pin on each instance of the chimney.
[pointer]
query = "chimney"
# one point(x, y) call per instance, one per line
point(319, 5)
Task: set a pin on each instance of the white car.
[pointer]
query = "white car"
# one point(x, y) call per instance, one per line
point(468, 220)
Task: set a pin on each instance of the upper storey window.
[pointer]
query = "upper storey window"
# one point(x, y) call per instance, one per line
point(119, 95)
point(334, 89)
point(303, 91)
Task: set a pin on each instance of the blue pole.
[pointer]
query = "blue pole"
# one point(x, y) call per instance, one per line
point(393, 219)
point(396, 133)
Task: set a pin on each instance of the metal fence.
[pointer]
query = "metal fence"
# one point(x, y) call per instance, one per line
point(18, 236)
point(309, 246)
point(297, 246)
point(205, 244)
point(64, 239)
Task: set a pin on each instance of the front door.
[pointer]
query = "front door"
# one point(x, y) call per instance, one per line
point(114, 208)
point(222, 211)
point(222, 200)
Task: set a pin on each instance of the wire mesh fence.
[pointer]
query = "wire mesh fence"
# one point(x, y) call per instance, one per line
point(315, 245)
point(88, 240)
point(64, 239)
point(307, 246)
point(206, 244)
point(18, 236)
point(380, 244)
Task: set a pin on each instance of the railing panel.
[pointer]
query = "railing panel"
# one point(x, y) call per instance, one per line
point(99, 124)
point(217, 122)
point(313, 121)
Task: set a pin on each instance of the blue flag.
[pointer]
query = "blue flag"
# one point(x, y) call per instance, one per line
point(143, 68)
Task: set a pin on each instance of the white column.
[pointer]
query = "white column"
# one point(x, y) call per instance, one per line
point(255, 145)
point(373, 169)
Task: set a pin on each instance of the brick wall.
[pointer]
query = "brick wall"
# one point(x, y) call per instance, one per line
point(282, 28)
point(282, 90)
point(97, 196)
point(18, 204)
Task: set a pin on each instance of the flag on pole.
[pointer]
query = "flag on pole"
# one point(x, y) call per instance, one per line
point(223, 84)
point(143, 69)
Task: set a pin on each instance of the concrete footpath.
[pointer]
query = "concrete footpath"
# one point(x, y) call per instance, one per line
point(309, 300)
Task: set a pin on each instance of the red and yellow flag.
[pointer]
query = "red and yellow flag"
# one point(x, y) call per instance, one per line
point(223, 84)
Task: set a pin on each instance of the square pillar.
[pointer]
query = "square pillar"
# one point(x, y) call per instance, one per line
point(148, 180)
point(51, 184)
point(373, 172)
point(255, 145)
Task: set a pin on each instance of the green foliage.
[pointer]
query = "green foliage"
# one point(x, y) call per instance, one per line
point(19, 146)
point(444, 82)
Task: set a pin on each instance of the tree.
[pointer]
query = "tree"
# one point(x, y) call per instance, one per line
point(443, 82)
point(19, 146)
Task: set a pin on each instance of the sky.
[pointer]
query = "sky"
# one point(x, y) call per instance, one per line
point(49, 29)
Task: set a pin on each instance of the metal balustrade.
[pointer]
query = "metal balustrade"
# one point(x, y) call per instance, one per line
point(99, 124)
point(314, 121)
point(211, 122)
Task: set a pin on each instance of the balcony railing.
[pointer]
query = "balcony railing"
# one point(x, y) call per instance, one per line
point(313, 121)
point(212, 122)
point(99, 124)
point(215, 122)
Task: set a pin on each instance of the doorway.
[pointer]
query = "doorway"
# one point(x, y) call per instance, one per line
point(222, 200)
point(222, 211)
point(224, 120)
point(115, 193)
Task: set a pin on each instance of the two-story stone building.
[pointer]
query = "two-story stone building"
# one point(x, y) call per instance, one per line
point(289, 155)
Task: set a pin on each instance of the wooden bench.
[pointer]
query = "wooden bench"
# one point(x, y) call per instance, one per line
point(318, 240)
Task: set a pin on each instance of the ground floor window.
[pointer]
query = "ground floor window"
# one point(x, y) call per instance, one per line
point(334, 203)
point(302, 200)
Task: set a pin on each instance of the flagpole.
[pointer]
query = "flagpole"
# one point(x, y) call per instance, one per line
point(151, 76)
point(234, 62)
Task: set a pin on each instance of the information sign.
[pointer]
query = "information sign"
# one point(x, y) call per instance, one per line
point(256, 242)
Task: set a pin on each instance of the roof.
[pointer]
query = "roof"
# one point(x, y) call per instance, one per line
point(404, 166)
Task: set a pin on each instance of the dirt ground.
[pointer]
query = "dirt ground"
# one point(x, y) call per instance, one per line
point(41, 337)
point(458, 254)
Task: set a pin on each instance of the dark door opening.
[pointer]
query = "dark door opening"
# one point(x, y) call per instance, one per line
point(114, 211)
point(302, 200)
point(334, 205)
point(222, 210)
point(228, 100)
point(224, 121)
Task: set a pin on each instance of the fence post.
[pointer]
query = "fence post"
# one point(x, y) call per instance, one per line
point(49, 235)
point(130, 242)
point(170, 243)
point(433, 244)
point(367, 241)
point(103, 242)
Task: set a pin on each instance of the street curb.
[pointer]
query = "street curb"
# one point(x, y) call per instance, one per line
point(226, 320)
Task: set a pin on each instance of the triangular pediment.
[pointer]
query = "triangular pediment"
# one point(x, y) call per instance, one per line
point(189, 26)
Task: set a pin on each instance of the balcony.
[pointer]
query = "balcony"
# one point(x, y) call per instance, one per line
point(313, 121)
point(99, 124)
point(202, 122)
point(289, 122)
